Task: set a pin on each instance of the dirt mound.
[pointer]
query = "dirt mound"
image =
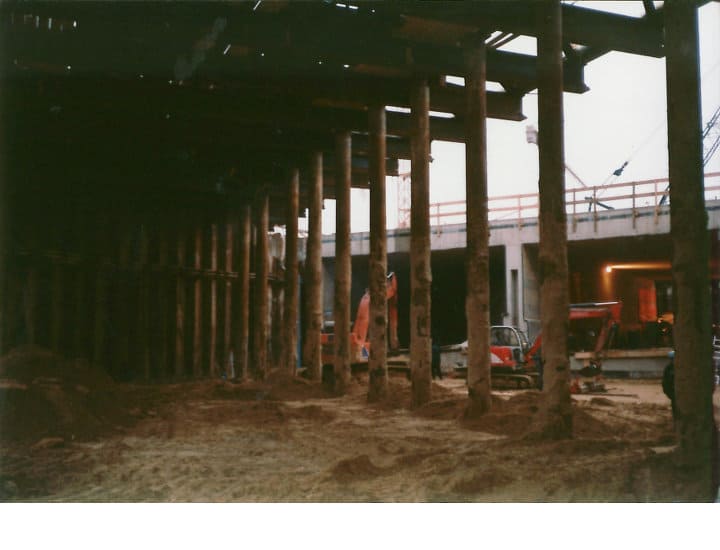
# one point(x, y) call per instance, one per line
point(482, 482)
point(286, 387)
point(277, 386)
point(310, 412)
point(588, 426)
point(443, 409)
point(356, 468)
point(42, 395)
point(264, 412)
point(399, 395)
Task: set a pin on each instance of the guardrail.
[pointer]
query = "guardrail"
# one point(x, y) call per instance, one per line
point(579, 201)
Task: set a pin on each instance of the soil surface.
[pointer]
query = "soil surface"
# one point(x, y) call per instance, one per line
point(70, 434)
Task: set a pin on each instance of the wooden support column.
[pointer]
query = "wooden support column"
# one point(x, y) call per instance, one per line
point(420, 270)
point(261, 321)
point(10, 305)
point(312, 357)
point(377, 362)
point(162, 318)
point(79, 348)
point(180, 304)
point(343, 263)
point(57, 293)
point(277, 328)
point(213, 301)
point(227, 357)
point(101, 295)
point(121, 342)
point(143, 306)
point(242, 310)
point(30, 303)
point(197, 302)
point(290, 313)
point(477, 300)
point(555, 416)
point(691, 245)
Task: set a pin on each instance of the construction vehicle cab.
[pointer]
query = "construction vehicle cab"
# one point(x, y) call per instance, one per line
point(359, 345)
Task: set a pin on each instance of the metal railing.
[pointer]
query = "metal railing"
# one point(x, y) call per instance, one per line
point(579, 202)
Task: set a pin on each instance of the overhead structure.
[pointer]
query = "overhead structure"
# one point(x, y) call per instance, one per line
point(204, 100)
point(142, 138)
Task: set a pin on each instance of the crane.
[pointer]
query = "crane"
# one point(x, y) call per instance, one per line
point(711, 142)
point(531, 135)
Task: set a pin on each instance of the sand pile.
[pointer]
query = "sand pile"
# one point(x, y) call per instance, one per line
point(45, 396)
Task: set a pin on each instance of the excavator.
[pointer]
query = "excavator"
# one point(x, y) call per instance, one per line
point(359, 344)
point(592, 327)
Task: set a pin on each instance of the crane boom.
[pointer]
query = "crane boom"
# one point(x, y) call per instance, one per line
point(711, 136)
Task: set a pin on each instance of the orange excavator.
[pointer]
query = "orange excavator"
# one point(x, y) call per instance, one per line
point(513, 361)
point(359, 344)
point(592, 328)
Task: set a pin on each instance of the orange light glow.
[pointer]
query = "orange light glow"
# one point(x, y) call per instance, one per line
point(639, 266)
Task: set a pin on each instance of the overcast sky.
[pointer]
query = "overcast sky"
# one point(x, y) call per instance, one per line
point(622, 117)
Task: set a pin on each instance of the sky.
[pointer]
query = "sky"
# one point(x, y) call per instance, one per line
point(622, 118)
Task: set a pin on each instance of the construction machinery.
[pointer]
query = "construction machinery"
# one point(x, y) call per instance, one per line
point(510, 361)
point(359, 344)
point(592, 327)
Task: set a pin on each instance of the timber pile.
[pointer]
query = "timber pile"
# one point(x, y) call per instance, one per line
point(44, 397)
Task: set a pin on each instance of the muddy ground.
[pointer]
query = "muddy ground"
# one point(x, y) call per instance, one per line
point(69, 434)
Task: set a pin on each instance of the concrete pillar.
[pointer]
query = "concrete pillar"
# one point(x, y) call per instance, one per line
point(290, 302)
point(555, 418)
point(262, 268)
point(477, 301)
point(420, 270)
point(690, 238)
point(343, 263)
point(514, 286)
point(377, 362)
point(242, 310)
point(312, 356)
